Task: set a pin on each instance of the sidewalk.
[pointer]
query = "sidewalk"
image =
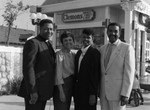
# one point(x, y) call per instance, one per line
point(12, 102)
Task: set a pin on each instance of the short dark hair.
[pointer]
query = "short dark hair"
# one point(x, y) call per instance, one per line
point(88, 31)
point(114, 24)
point(44, 21)
point(66, 34)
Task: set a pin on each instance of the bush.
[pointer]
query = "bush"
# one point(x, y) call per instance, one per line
point(11, 87)
point(15, 85)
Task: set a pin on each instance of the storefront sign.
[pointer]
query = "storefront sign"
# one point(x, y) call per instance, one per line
point(85, 15)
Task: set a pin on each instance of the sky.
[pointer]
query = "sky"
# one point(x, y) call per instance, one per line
point(23, 21)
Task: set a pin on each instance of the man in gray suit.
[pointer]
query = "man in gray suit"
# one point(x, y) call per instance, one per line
point(38, 68)
point(118, 68)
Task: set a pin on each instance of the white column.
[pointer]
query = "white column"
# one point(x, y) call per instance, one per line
point(107, 16)
point(54, 34)
point(133, 30)
point(128, 26)
point(129, 7)
point(143, 52)
point(137, 50)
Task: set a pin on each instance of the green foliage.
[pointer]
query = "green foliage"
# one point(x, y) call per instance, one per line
point(11, 12)
point(15, 85)
point(12, 87)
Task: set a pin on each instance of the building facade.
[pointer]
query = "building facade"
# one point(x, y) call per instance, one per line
point(74, 15)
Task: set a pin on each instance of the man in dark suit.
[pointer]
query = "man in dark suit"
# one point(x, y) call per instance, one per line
point(87, 73)
point(38, 68)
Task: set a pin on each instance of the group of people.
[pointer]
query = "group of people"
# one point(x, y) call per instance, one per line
point(90, 73)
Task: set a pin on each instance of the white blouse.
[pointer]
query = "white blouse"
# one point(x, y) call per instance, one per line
point(64, 66)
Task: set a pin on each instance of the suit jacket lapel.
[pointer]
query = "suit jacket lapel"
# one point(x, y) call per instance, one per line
point(103, 56)
point(51, 50)
point(114, 55)
point(87, 52)
point(85, 56)
point(78, 55)
point(77, 60)
point(50, 55)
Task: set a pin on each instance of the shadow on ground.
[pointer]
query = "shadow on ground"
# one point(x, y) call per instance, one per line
point(21, 103)
point(13, 103)
point(146, 101)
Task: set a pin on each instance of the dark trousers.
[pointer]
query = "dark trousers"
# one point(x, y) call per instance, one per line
point(85, 107)
point(67, 87)
point(39, 105)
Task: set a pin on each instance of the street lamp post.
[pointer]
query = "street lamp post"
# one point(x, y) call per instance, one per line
point(35, 19)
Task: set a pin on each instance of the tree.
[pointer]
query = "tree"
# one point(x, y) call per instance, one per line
point(10, 14)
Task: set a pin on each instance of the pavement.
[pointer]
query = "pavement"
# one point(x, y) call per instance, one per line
point(13, 102)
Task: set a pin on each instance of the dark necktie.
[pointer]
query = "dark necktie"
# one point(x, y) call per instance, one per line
point(109, 51)
point(51, 50)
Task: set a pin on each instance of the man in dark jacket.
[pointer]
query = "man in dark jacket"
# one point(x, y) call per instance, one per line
point(38, 68)
point(87, 73)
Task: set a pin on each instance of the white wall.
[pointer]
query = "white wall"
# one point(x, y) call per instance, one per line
point(10, 65)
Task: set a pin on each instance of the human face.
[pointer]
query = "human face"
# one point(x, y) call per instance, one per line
point(46, 31)
point(113, 33)
point(67, 43)
point(87, 40)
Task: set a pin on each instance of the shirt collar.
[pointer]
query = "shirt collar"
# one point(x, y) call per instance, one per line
point(66, 51)
point(84, 49)
point(42, 39)
point(115, 43)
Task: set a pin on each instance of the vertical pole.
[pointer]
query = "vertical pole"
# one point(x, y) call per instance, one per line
point(55, 31)
point(143, 52)
point(137, 52)
point(128, 26)
point(107, 17)
point(36, 30)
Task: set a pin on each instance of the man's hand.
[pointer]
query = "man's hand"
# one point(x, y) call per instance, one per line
point(124, 100)
point(34, 98)
point(92, 99)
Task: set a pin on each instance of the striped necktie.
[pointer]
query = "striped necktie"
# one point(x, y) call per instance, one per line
point(109, 51)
